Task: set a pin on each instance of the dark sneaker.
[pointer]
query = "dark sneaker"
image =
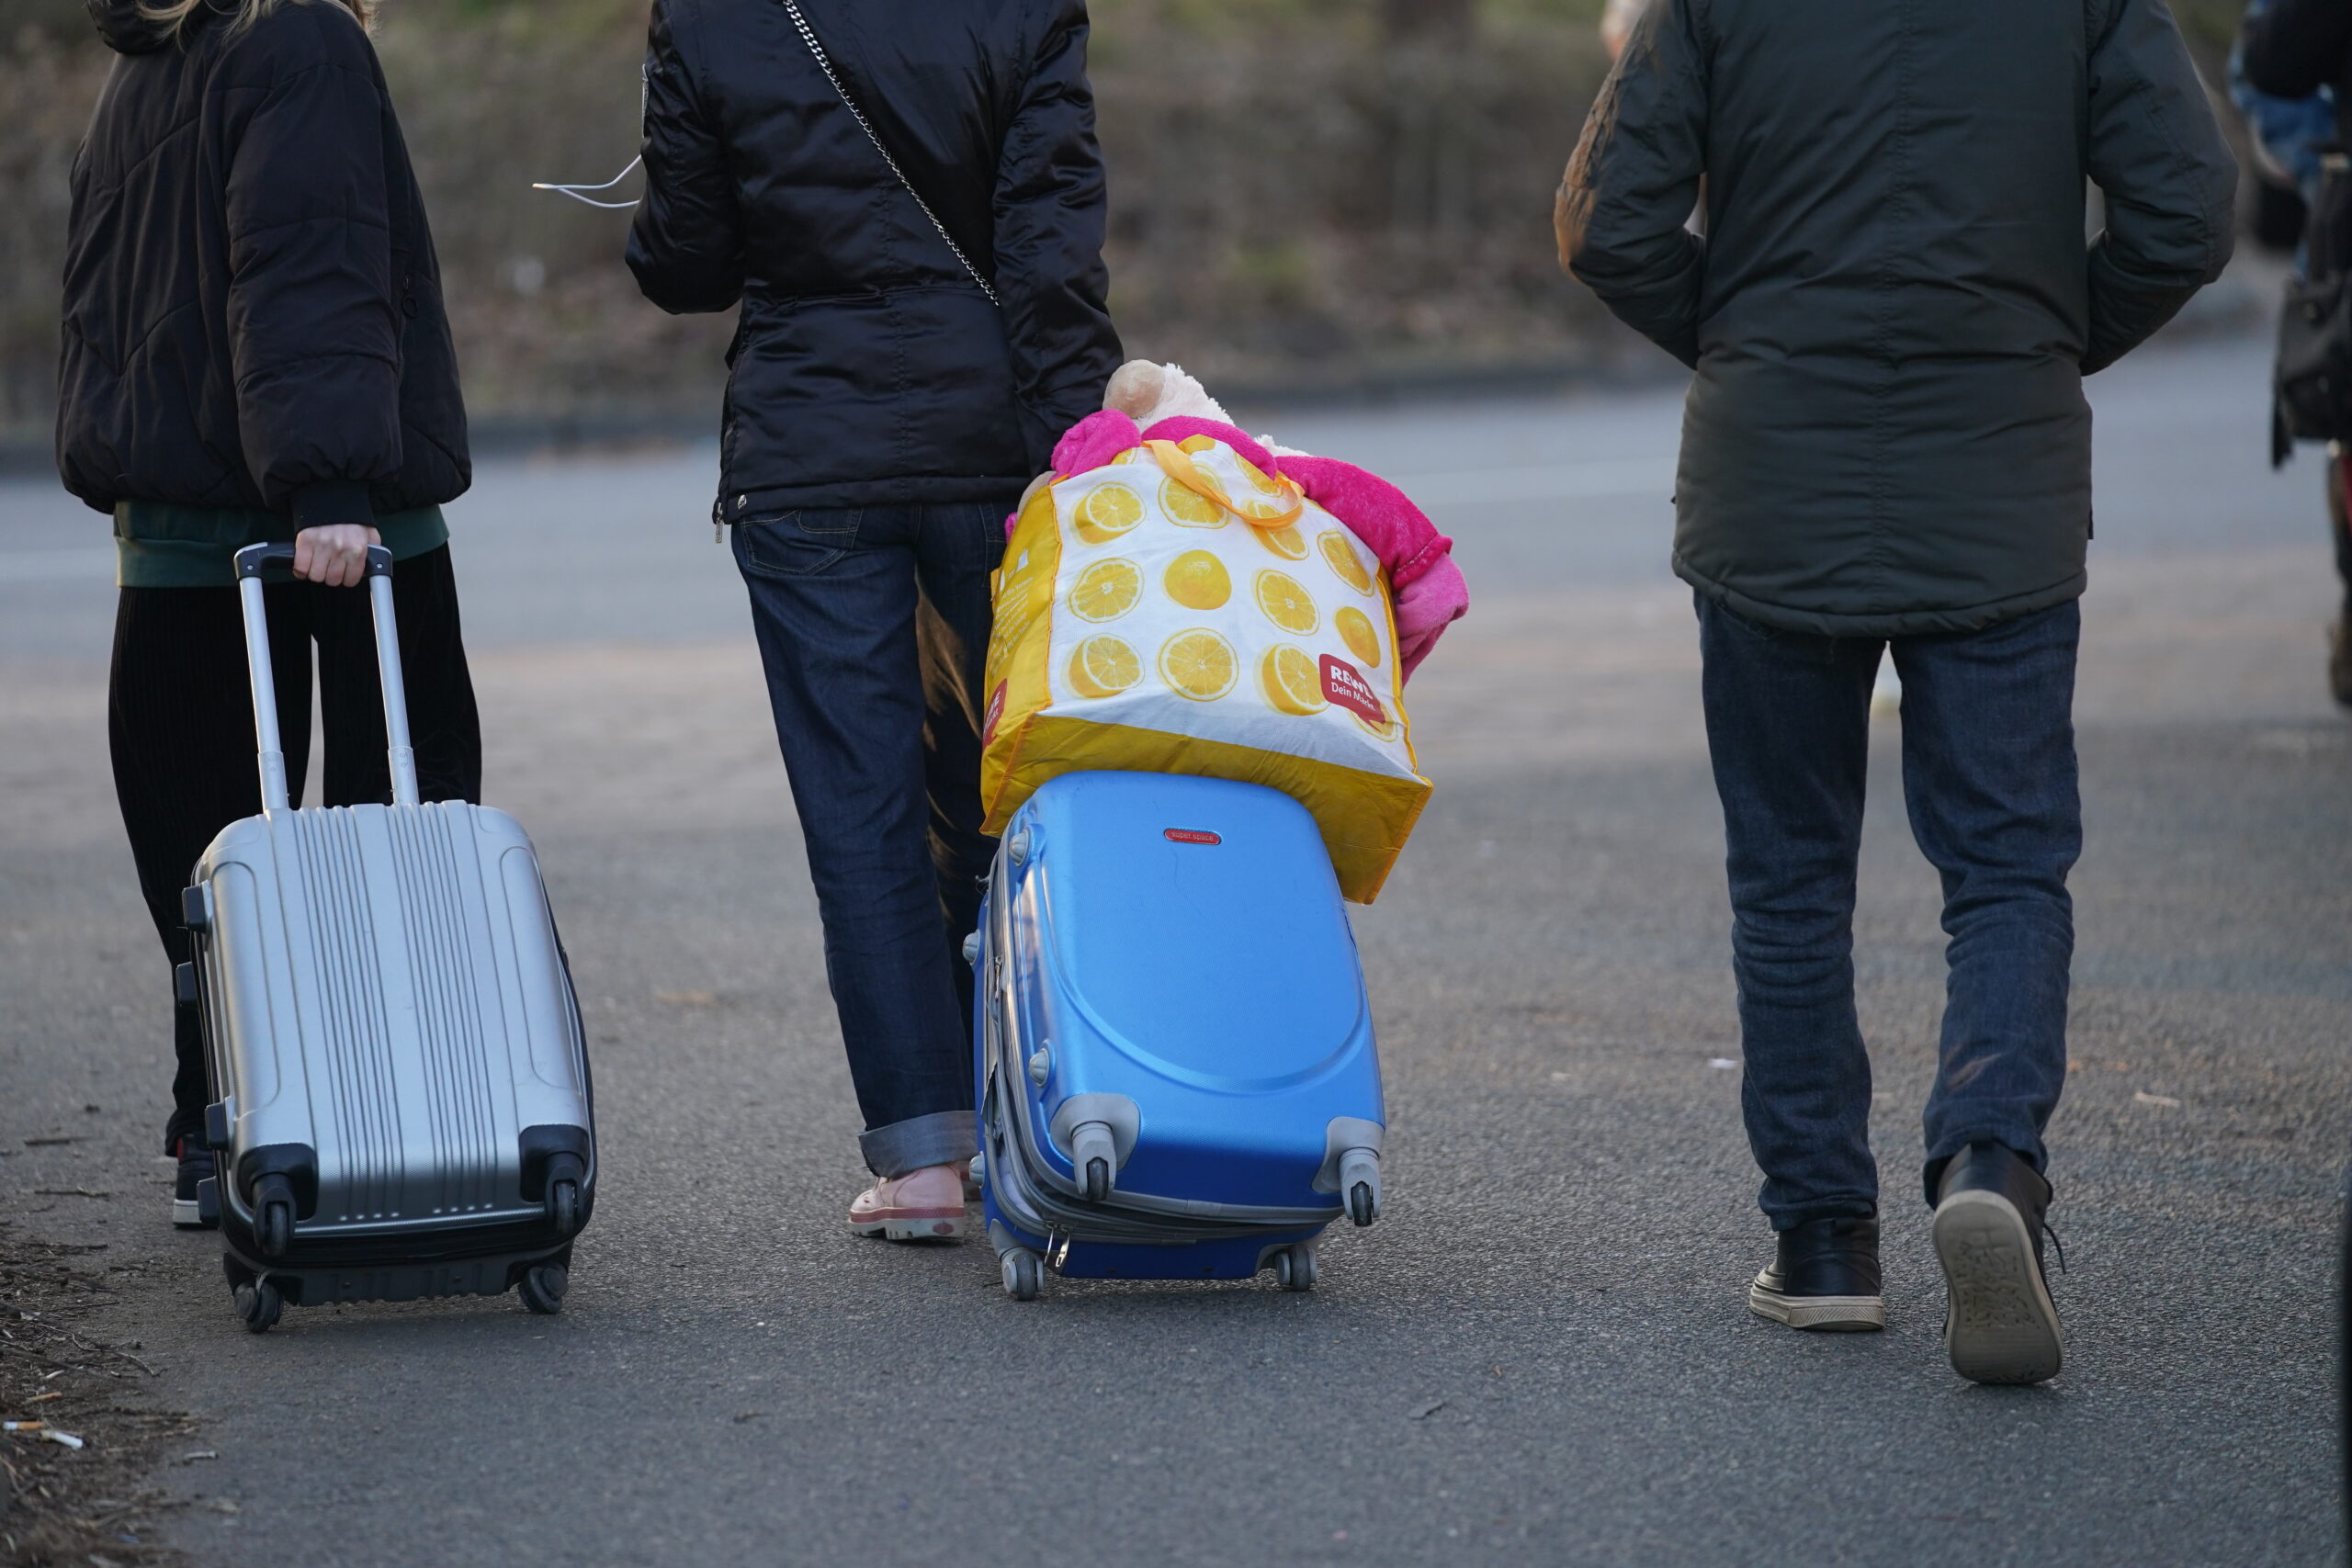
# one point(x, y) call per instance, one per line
point(196, 1166)
point(2001, 1326)
point(1823, 1275)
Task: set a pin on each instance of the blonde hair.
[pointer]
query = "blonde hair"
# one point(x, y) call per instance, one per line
point(176, 16)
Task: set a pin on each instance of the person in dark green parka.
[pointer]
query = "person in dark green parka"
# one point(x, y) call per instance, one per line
point(1889, 306)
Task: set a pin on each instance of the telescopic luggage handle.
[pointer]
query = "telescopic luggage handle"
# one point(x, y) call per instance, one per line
point(254, 563)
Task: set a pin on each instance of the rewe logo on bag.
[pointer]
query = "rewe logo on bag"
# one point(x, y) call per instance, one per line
point(996, 712)
point(1343, 683)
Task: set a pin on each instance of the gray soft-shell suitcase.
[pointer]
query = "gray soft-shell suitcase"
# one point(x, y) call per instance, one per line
point(400, 1092)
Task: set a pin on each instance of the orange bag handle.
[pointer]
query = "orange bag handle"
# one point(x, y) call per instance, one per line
point(1178, 465)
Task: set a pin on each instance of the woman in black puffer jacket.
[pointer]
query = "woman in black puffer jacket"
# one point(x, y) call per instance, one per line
point(897, 380)
point(254, 349)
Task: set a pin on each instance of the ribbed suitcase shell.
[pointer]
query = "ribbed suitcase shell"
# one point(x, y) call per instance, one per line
point(390, 1025)
point(1179, 945)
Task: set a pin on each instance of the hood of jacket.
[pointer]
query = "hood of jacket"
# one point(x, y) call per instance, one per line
point(125, 30)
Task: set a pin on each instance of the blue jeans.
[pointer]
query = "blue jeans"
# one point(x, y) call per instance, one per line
point(872, 626)
point(1989, 778)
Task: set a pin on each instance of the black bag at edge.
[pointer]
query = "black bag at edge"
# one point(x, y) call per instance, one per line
point(2312, 383)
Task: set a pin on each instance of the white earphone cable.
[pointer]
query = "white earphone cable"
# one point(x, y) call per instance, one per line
point(573, 191)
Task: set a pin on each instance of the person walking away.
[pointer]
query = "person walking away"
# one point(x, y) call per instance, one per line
point(1886, 444)
point(2292, 50)
point(909, 206)
point(254, 349)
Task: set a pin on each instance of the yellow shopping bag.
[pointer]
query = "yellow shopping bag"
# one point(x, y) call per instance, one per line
point(1177, 611)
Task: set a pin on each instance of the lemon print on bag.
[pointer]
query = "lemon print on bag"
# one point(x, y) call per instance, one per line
point(1106, 590)
point(1288, 677)
point(1341, 555)
point(1285, 541)
point(1198, 664)
point(1103, 666)
point(1286, 602)
point(1256, 477)
point(1198, 580)
point(1187, 508)
point(1385, 730)
point(1108, 511)
point(1355, 629)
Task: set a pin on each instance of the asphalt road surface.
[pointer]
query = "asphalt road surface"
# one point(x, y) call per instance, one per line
point(1542, 1353)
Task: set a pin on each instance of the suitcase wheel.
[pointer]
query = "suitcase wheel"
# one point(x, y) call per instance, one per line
point(563, 1208)
point(543, 1286)
point(274, 1219)
point(1295, 1267)
point(259, 1303)
point(1360, 1179)
point(1024, 1272)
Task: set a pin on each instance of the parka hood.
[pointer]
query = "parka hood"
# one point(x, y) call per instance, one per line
point(125, 30)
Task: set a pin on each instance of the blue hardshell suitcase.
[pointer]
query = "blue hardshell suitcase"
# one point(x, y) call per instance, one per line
point(1176, 1071)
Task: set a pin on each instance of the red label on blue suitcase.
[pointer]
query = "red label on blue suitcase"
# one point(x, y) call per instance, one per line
point(1192, 836)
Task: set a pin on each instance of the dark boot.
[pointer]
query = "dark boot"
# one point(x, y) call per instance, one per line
point(1823, 1275)
point(196, 1165)
point(2001, 1326)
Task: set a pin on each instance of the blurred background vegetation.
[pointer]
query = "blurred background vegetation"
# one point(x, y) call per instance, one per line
point(1305, 193)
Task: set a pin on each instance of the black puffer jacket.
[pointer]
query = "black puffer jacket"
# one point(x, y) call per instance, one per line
point(867, 366)
point(1893, 309)
point(253, 311)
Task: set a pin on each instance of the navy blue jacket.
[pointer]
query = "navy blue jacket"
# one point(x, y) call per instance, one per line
point(252, 310)
point(868, 368)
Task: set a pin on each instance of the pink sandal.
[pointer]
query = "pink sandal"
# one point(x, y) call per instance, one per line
point(921, 1205)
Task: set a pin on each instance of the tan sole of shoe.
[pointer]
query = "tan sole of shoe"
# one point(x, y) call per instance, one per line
point(1826, 1315)
point(925, 1225)
point(2001, 1326)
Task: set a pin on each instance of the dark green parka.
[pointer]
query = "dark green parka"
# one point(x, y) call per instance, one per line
point(1893, 308)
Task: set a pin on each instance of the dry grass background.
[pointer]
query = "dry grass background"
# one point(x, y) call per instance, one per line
point(1303, 191)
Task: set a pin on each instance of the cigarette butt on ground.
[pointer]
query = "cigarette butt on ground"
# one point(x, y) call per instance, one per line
point(42, 1429)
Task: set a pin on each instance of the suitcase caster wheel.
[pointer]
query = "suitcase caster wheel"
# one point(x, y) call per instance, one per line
point(273, 1228)
point(1295, 1268)
point(543, 1286)
point(1364, 1203)
point(563, 1208)
point(1024, 1273)
point(259, 1303)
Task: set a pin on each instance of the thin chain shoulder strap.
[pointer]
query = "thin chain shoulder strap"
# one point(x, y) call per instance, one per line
point(825, 64)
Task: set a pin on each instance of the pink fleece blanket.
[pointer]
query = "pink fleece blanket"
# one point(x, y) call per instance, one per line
point(1430, 591)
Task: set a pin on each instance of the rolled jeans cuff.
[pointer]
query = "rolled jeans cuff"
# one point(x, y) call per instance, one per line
point(943, 1137)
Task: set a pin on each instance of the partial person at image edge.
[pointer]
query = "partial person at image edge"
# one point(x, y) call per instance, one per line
point(254, 349)
point(2292, 50)
point(1886, 446)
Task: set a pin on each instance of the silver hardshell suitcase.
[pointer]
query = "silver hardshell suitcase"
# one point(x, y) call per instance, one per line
point(400, 1091)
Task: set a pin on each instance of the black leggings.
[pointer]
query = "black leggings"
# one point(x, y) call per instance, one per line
point(180, 721)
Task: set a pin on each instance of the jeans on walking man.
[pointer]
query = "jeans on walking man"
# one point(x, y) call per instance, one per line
point(1886, 448)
